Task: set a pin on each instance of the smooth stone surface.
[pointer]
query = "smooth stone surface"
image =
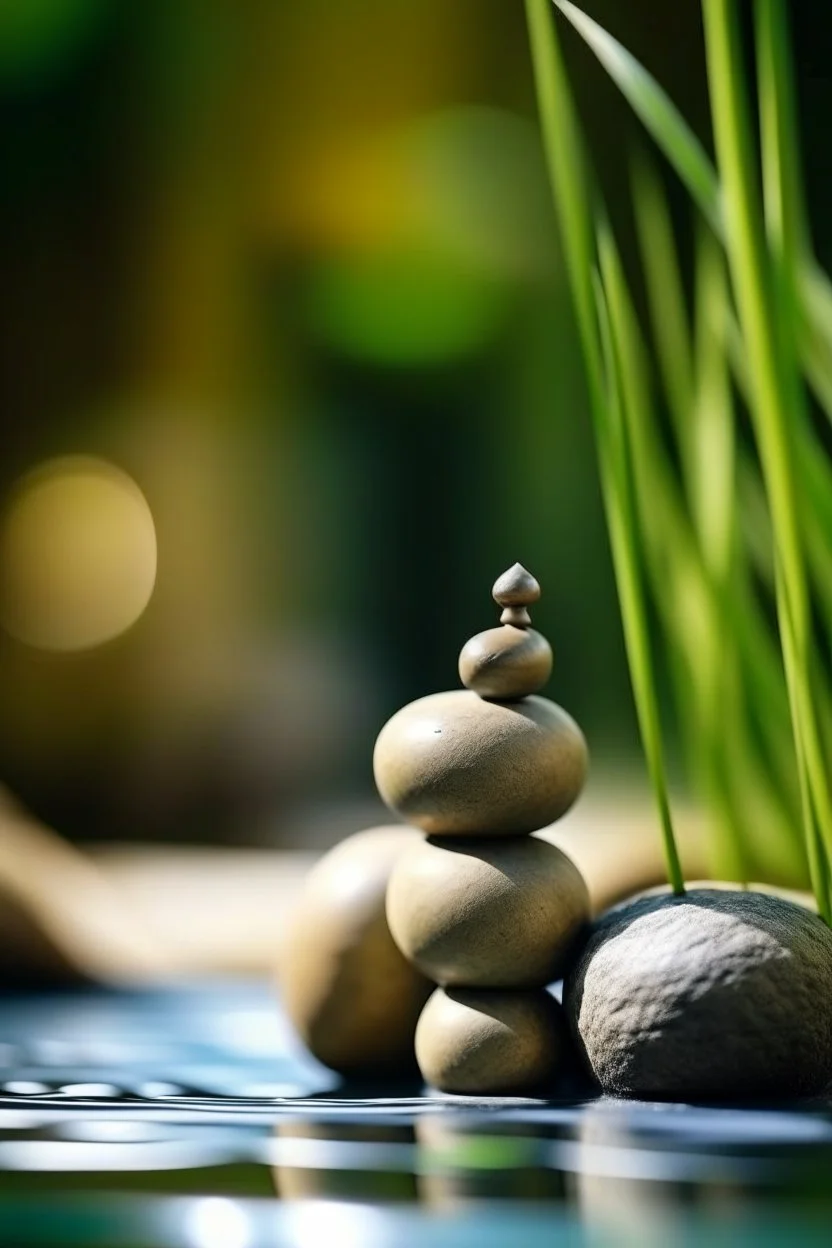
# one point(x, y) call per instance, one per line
point(457, 765)
point(714, 994)
point(487, 913)
point(351, 995)
point(515, 587)
point(490, 1043)
point(506, 662)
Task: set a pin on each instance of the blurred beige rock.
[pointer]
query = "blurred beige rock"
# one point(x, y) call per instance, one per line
point(126, 912)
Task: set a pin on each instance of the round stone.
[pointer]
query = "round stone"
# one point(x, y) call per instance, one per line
point(506, 662)
point(713, 994)
point(487, 913)
point(457, 765)
point(352, 996)
point(515, 588)
point(483, 1043)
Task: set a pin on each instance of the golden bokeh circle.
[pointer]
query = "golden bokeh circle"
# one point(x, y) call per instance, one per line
point(77, 555)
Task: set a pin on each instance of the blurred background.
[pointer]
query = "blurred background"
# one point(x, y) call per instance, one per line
point(287, 377)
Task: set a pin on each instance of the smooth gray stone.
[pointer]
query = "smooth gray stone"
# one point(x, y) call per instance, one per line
point(716, 994)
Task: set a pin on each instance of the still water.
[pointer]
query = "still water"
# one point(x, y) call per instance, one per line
point(190, 1116)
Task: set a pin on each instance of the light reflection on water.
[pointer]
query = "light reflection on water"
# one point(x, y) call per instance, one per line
point(205, 1140)
point(612, 1171)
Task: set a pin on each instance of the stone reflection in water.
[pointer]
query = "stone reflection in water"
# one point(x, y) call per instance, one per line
point(642, 1169)
point(614, 1189)
point(341, 1160)
point(463, 1161)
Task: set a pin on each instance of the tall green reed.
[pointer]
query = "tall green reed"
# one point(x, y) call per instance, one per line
point(602, 351)
point(708, 539)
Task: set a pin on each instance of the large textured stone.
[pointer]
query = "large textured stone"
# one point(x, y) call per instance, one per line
point(713, 994)
point(496, 913)
point(456, 765)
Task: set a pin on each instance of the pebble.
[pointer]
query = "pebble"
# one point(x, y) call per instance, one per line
point(487, 913)
point(351, 995)
point(505, 662)
point(491, 1043)
point(455, 764)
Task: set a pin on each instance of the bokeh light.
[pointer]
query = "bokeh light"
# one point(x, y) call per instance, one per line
point(216, 1222)
point(457, 220)
point(475, 184)
point(77, 555)
point(403, 306)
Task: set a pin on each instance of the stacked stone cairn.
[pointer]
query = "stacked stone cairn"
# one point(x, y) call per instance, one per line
point(482, 906)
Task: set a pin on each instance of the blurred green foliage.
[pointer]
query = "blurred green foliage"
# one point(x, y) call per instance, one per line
point(39, 38)
point(693, 540)
point(291, 266)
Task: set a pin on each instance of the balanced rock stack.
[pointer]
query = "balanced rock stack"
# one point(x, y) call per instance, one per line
point(483, 908)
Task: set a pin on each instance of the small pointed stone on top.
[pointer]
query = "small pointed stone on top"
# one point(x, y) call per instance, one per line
point(514, 591)
point(516, 588)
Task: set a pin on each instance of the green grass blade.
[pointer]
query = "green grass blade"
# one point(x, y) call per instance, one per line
point(703, 613)
point(654, 107)
point(625, 542)
point(785, 210)
point(787, 233)
point(816, 484)
point(694, 615)
point(666, 300)
point(619, 398)
point(713, 501)
point(814, 330)
point(697, 389)
point(688, 158)
point(569, 179)
point(815, 475)
point(758, 775)
point(816, 850)
point(771, 391)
